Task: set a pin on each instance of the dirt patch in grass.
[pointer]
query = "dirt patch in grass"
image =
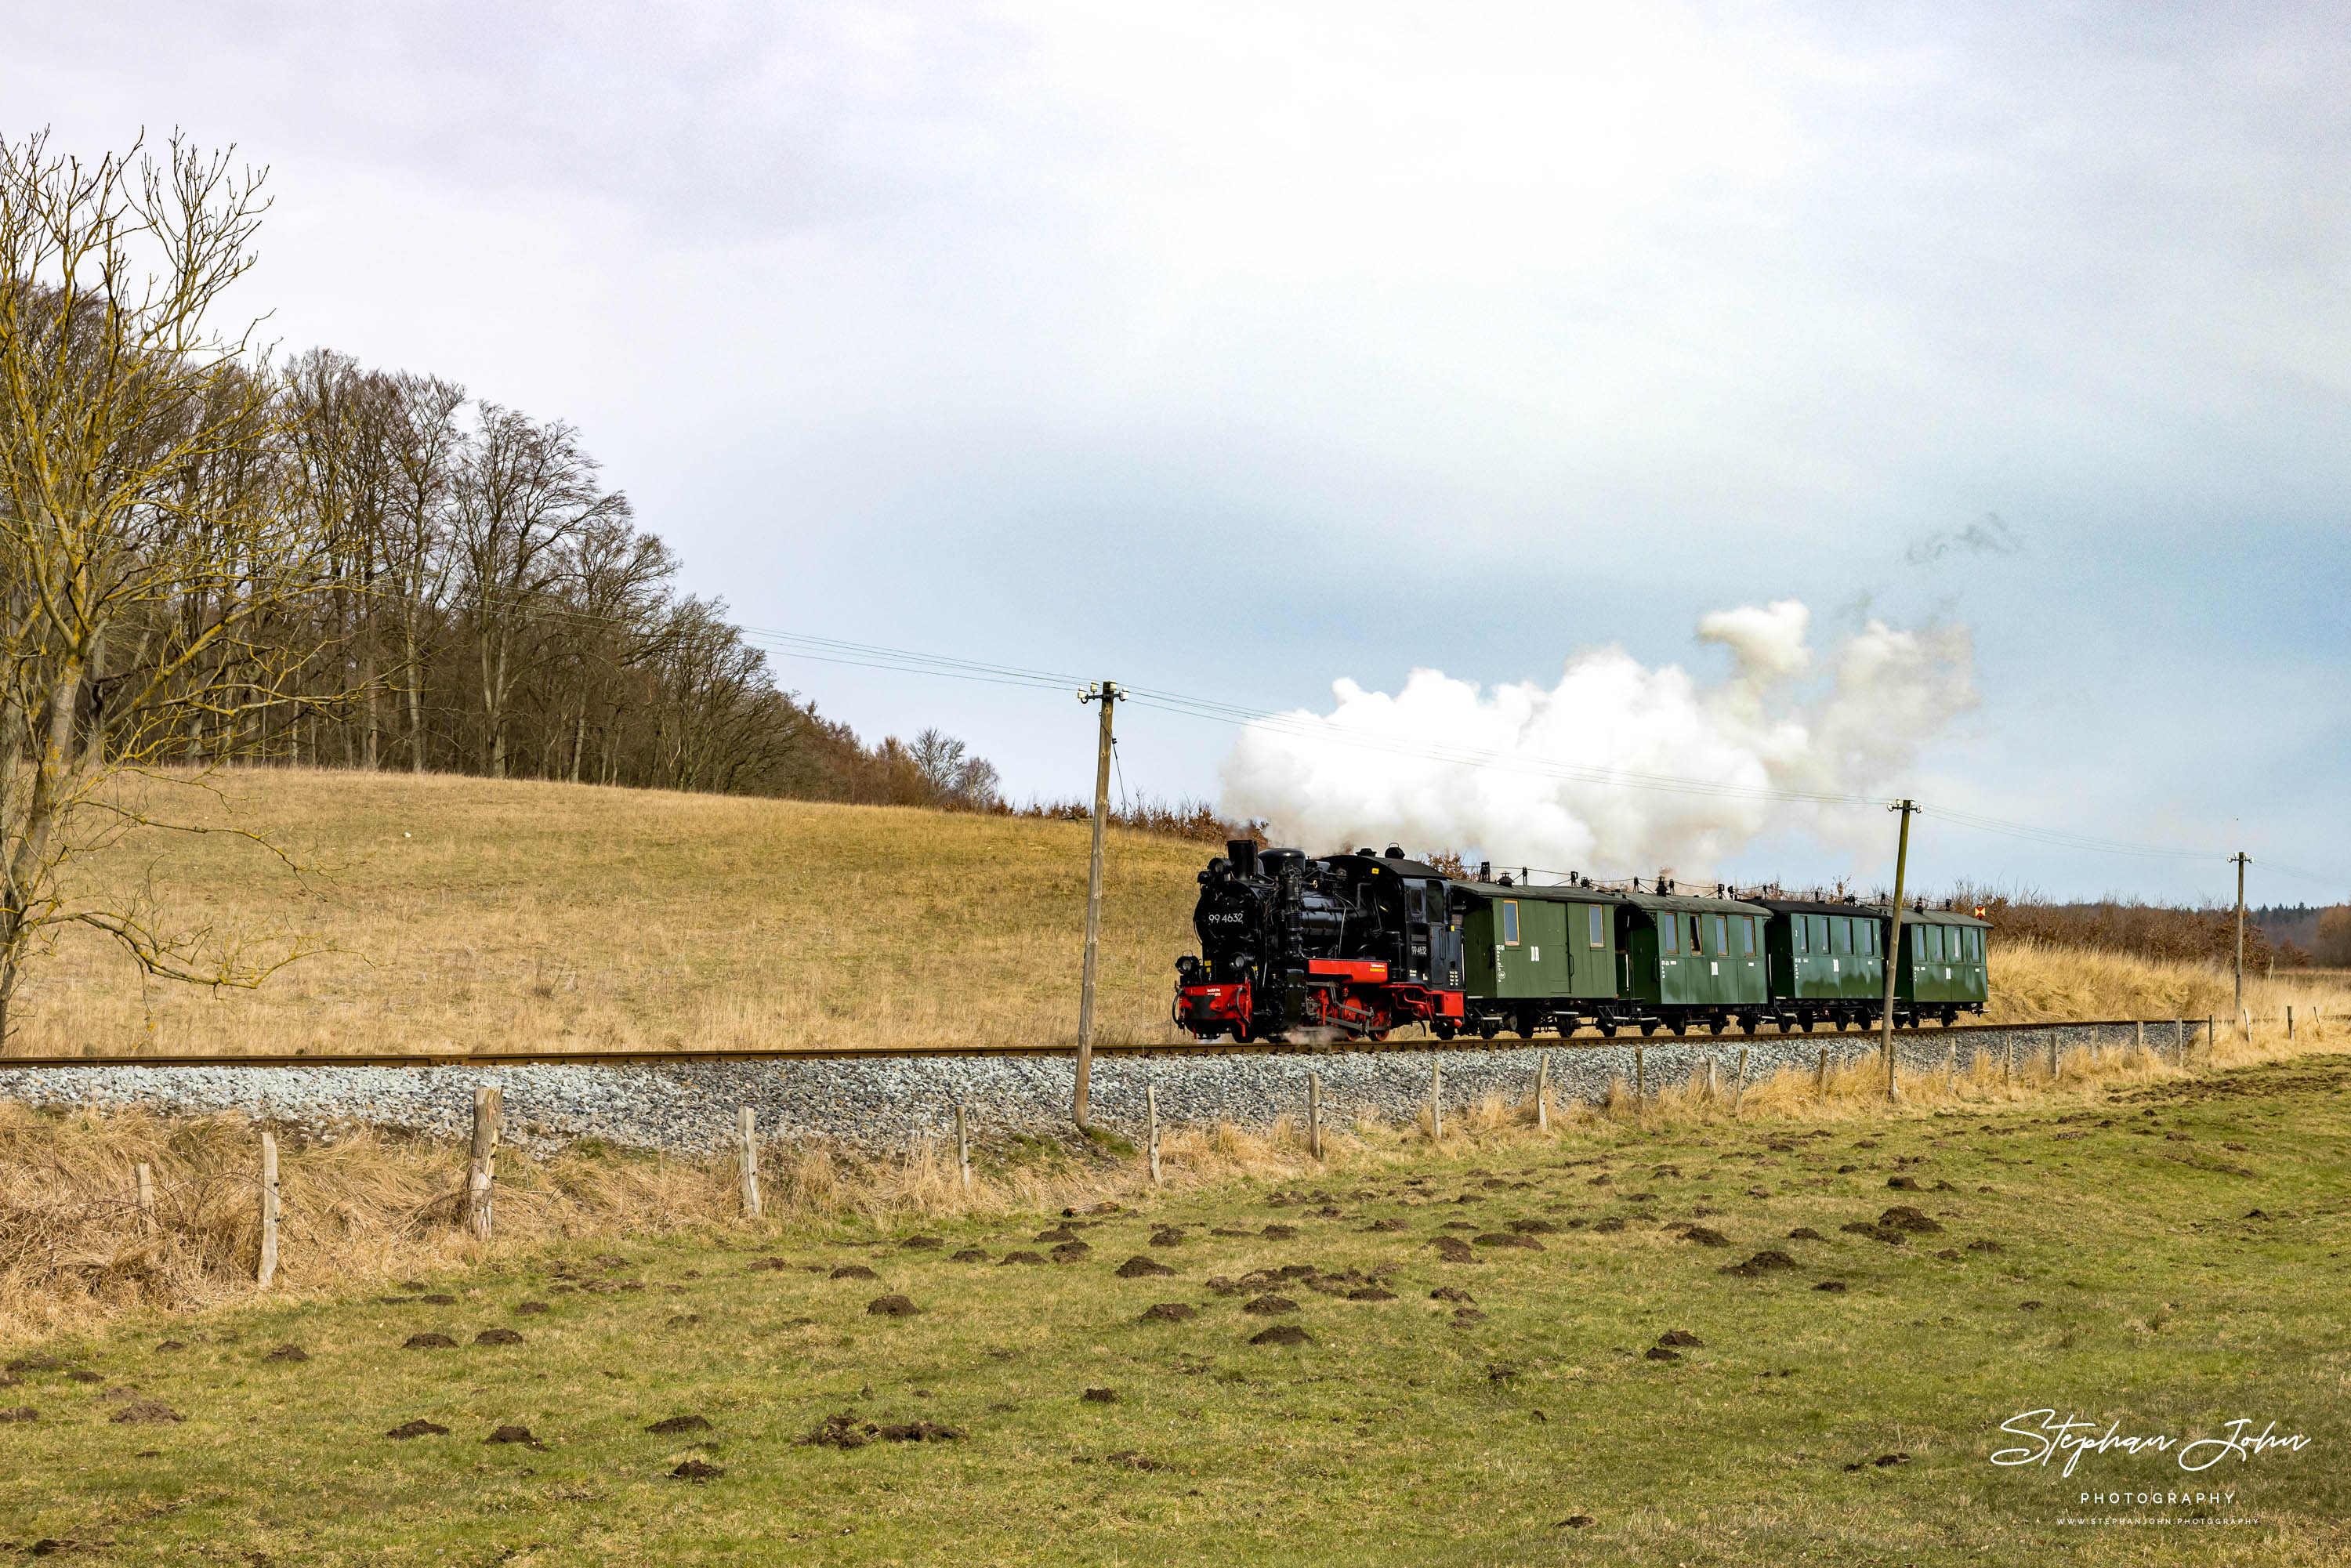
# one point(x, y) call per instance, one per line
point(418, 1429)
point(1169, 1313)
point(288, 1352)
point(671, 1425)
point(854, 1272)
point(1141, 1268)
point(891, 1307)
point(429, 1342)
point(498, 1336)
point(1282, 1334)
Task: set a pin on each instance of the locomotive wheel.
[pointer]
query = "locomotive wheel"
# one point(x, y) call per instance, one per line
point(1443, 1028)
point(1238, 1031)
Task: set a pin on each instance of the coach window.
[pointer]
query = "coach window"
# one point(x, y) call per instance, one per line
point(1865, 932)
point(1510, 923)
point(1598, 918)
point(1747, 934)
point(1669, 931)
point(1721, 934)
point(1841, 930)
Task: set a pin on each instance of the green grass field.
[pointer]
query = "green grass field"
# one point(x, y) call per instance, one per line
point(2129, 1285)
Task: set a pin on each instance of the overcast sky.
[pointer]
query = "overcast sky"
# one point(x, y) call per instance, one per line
point(1233, 349)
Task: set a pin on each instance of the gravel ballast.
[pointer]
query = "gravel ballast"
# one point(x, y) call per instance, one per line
point(882, 1103)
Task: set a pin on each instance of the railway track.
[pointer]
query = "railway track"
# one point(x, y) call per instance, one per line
point(1187, 1048)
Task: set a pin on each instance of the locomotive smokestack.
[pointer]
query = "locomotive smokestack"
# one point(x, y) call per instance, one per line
point(1243, 854)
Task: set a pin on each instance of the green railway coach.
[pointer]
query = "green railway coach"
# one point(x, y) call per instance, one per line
point(1538, 957)
point(1693, 961)
point(1940, 972)
point(1827, 962)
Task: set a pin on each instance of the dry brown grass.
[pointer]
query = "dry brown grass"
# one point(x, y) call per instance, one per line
point(518, 915)
point(466, 913)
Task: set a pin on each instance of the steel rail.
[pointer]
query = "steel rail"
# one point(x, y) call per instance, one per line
point(1165, 1048)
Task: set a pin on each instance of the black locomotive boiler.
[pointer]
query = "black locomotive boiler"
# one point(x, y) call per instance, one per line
point(1297, 948)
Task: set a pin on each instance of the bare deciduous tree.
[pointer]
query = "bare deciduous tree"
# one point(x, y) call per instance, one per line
point(150, 573)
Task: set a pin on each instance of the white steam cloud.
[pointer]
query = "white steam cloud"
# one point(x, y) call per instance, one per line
point(1361, 775)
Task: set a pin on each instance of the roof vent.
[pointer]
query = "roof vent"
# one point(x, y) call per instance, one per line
point(1395, 851)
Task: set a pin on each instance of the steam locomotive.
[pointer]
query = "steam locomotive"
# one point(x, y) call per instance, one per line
point(1355, 946)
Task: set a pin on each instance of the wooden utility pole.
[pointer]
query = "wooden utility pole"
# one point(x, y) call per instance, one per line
point(483, 1166)
point(2242, 859)
point(1106, 693)
point(1894, 946)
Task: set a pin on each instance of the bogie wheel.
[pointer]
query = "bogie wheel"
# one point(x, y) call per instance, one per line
point(1442, 1029)
point(1749, 1023)
point(1648, 1027)
point(1948, 1015)
point(1716, 1024)
point(1488, 1027)
point(1607, 1027)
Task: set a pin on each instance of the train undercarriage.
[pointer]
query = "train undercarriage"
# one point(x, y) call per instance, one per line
point(1490, 1020)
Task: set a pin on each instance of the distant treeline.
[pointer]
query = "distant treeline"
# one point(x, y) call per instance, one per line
point(2207, 933)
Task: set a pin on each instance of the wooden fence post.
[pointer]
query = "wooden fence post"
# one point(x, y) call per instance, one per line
point(2008, 1074)
point(147, 1198)
point(1437, 1103)
point(1151, 1136)
point(2288, 1022)
point(2212, 1037)
point(1713, 1082)
point(2053, 1056)
point(1640, 1077)
point(962, 1146)
point(1542, 1091)
point(2138, 1041)
point(1951, 1068)
point(268, 1266)
point(1739, 1093)
point(483, 1166)
point(1314, 1114)
point(747, 1143)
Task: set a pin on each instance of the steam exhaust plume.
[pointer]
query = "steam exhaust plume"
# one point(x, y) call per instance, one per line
point(1361, 775)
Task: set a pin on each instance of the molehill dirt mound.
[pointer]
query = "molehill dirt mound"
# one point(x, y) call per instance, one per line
point(1169, 1313)
point(1279, 1233)
point(840, 1430)
point(701, 1471)
point(891, 1307)
point(1875, 1232)
point(1902, 1217)
point(1706, 1236)
point(498, 1336)
point(1532, 1227)
point(854, 1271)
point(923, 1243)
point(1140, 1268)
point(429, 1342)
point(1805, 1233)
point(1073, 1253)
point(1282, 1334)
point(1383, 1227)
point(1270, 1306)
point(514, 1434)
point(1508, 1239)
point(1020, 1258)
point(918, 1432)
point(1768, 1261)
point(971, 1255)
point(673, 1424)
point(1680, 1339)
point(1450, 1294)
point(1453, 1249)
point(418, 1429)
point(1833, 1286)
point(528, 1309)
point(1098, 1396)
point(1370, 1293)
point(288, 1352)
